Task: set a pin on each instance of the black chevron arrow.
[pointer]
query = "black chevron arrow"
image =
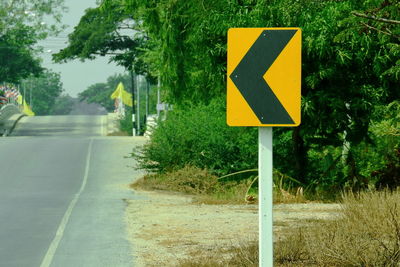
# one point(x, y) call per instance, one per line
point(248, 76)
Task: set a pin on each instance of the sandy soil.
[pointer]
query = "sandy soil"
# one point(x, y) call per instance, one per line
point(165, 228)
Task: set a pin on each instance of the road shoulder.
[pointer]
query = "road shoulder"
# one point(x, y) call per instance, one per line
point(165, 228)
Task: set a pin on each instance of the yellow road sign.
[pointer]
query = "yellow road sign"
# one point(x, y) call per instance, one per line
point(264, 77)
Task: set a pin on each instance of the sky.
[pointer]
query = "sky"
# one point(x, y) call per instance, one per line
point(76, 76)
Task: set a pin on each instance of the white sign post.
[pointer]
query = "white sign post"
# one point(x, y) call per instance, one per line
point(265, 197)
point(264, 90)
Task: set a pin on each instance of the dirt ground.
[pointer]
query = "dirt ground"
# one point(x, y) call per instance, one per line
point(165, 228)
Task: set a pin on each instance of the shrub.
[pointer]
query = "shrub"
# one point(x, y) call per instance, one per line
point(194, 181)
point(198, 136)
point(385, 164)
point(188, 180)
point(365, 233)
point(125, 124)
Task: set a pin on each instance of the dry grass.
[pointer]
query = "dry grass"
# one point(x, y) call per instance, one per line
point(200, 183)
point(188, 180)
point(245, 255)
point(207, 190)
point(282, 196)
point(366, 233)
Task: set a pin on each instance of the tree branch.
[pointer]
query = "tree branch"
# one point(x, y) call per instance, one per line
point(376, 29)
point(375, 18)
point(108, 53)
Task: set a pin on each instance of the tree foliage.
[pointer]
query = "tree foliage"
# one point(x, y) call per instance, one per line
point(32, 12)
point(111, 32)
point(46, 88)
point(16, 56)
point(348, 67)
point(63, 105)
point(21, 27)
point(100, 92)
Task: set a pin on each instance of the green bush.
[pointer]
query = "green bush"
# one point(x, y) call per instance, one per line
point(125, 124)
point(199, 136)
point(382, 158)
point(374, 162)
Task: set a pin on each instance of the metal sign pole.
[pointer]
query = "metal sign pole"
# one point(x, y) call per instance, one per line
point(265, 196)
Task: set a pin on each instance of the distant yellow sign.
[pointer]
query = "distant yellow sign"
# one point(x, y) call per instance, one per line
point(122, 95)
point(264, 77)
point(27, 109)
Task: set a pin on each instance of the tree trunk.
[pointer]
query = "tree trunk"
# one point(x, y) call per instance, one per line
point(300, 155)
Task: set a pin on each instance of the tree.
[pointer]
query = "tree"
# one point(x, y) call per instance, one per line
point(343, 79)
point(382, 16)
point(106, 32)
point(100, 92)
point(21, 26)
point(30, 13)
point(45, 90)
point(349, 67)
point(382, 19)
point(63, 105)
point(16, 55)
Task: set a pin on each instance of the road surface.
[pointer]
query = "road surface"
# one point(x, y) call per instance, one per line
point(62, 190)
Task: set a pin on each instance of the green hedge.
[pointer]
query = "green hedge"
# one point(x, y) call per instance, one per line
point(199, 136)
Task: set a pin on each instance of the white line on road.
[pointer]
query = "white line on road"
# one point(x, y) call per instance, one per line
point(48, 258)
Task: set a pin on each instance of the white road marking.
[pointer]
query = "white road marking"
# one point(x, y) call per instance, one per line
point(48, 258)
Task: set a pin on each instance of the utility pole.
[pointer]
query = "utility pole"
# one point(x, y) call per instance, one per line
point(147, 98)
point(30, 94)
point(158, 97)
point(133, 103)
point(24, 98)
point(138, 104)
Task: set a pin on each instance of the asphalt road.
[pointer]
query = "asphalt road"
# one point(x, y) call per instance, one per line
point(62, 191)
point(64, 126)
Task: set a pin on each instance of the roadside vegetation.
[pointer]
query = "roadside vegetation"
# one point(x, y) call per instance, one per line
point(203, 186)
point(349, 138)
point(366, 232)
point(199, 137)
point(100, 93)
point(208, 189)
